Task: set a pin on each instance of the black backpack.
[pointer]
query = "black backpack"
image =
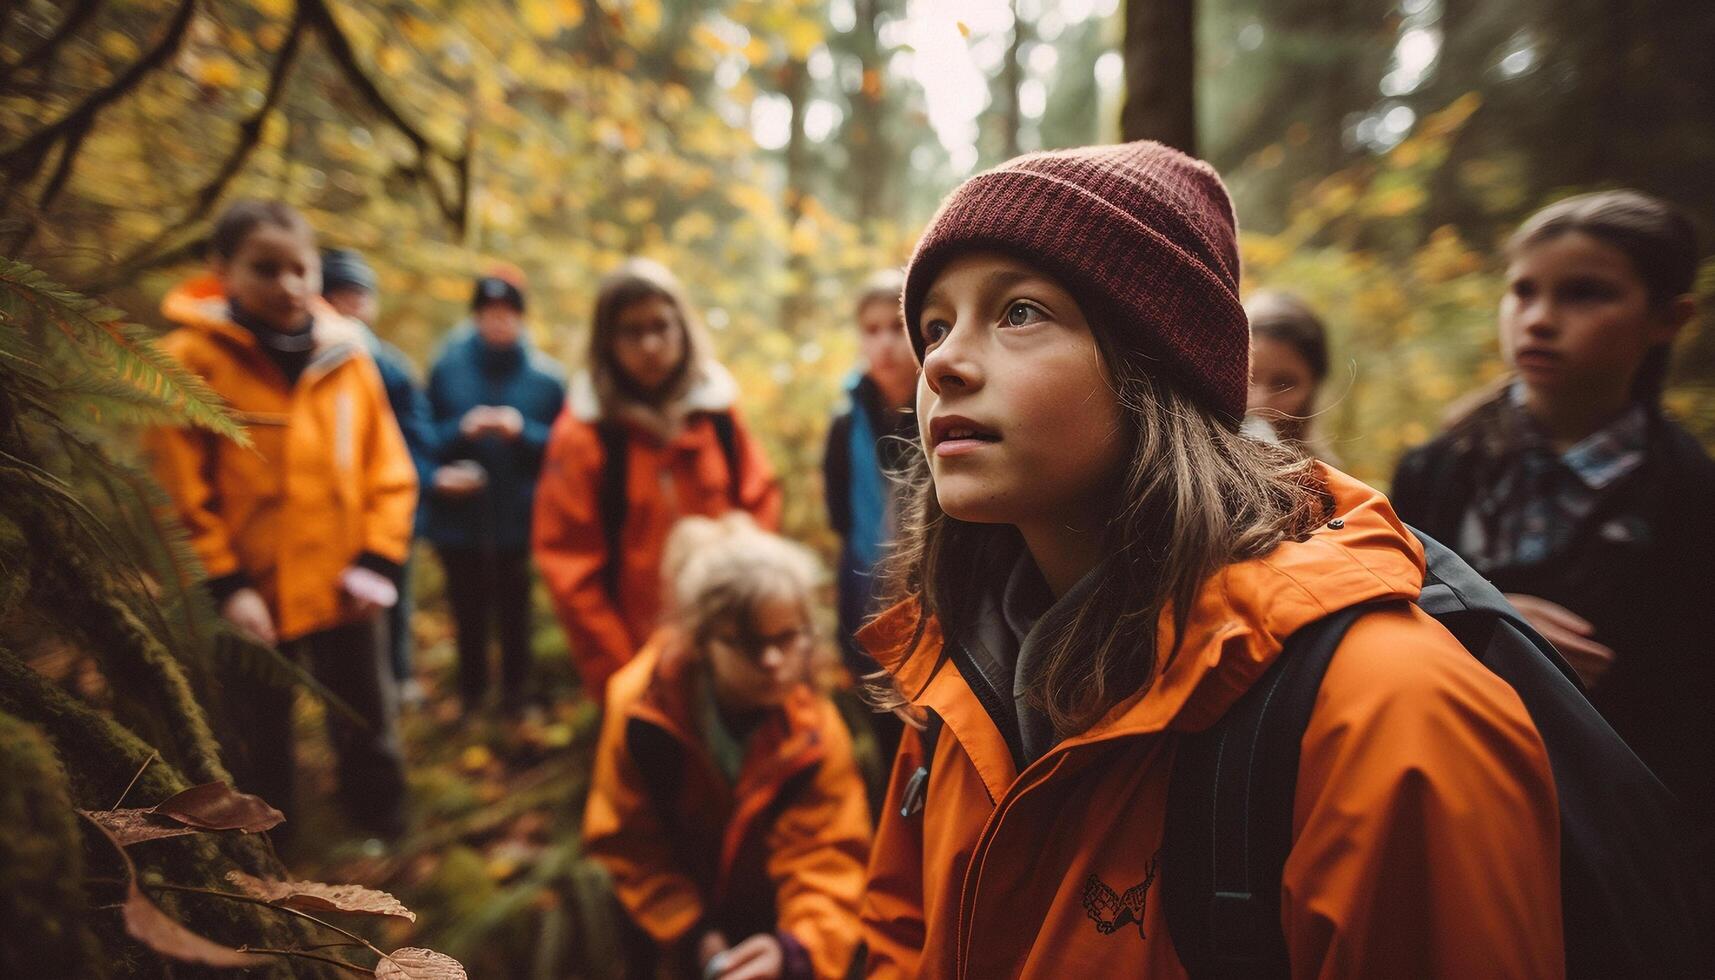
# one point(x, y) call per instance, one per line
point(1631, 899)
point(612, 501)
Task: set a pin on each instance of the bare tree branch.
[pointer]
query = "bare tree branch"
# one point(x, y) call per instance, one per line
point(321, 19)
point(23, 160)
point(51, 191)
point(249, 136)
point(44, 51)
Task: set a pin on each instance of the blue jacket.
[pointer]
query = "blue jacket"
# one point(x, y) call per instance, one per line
point(469, 373)
point(410, 409)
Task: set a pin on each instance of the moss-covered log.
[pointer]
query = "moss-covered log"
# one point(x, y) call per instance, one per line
point(44, 915)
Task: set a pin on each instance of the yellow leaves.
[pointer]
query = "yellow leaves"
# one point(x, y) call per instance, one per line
point(1395, 202)
point(751, 199)
point(273, 9)
point(1449, 120)
point(693, 227)
point(637, 210)
point(801, 36)
point(756, 51)
point(547, 18)
point(119, 45)
point(645, 16)
point(392, 60)
point(709, 39)
point(218, 72)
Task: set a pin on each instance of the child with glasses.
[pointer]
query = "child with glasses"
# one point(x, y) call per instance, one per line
point(726, 804)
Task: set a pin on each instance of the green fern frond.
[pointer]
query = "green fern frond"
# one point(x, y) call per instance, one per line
point(108, 346)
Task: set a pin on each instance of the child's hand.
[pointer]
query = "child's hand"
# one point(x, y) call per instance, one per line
point(460, 479)
point(248, 613)
point(757, 958)
point(506, 422)
point(475, 422)
point(1570, 633)
point(712, 953)
point(370, 591)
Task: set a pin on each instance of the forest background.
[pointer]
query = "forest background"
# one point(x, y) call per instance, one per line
point(775, 153)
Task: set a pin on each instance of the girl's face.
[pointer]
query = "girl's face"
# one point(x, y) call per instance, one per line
point(272, 276)
point(1015, 409)
point(649, 341)
point(756, 664)
point(1282, 383)
point(887, 350)
point(1576, 321)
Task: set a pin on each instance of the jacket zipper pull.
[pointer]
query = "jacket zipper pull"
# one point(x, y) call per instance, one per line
point(916, 791)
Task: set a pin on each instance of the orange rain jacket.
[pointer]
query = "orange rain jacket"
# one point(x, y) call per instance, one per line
point(1427, 840)
point(792, 833)
point(328, 477)
point(665, 480)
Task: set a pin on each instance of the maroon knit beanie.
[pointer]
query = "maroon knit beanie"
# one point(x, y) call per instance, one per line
point(1142, 236)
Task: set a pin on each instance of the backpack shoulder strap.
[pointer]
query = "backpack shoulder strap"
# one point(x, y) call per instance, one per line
point(612, 501)
point(917, 787)
point(1229, 815)
point(726, 433)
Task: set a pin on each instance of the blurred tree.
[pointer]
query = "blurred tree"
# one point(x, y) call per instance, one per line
point(1160, 69)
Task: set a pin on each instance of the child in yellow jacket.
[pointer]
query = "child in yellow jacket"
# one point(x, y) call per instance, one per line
point(303, 533)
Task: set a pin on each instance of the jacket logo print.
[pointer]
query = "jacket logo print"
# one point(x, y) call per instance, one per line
point(1111, 911)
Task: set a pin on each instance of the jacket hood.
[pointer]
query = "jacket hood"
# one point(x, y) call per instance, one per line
point(1241, 618)
point(199, 304)
point(712, 390)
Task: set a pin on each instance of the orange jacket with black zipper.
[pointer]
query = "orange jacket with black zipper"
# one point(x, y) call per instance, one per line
point(327, 482)
point(1426, 828)
point(671, 471)
point(790, 833)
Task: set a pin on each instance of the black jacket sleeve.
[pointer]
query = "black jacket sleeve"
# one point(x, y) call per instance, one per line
point(837, 475)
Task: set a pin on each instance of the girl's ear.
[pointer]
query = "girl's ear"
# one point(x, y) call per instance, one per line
point(1673, 317)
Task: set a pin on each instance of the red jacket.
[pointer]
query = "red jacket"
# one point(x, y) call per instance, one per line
point(1427, 835)
point(791, 833)
point(666, 479)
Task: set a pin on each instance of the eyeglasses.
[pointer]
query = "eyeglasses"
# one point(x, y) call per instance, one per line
point(790, 642)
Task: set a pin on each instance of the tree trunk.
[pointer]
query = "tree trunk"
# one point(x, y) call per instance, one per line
point(795, 85)
point(1160, 63)
point(1012, 76)
point(870, 154)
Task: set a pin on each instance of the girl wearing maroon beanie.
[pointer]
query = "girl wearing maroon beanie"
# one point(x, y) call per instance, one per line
point(1099, 562)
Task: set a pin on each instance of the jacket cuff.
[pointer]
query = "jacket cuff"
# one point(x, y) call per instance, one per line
point(222, 587)
point(380, 565)
point(794, 958)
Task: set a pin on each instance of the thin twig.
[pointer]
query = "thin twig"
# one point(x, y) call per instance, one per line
point(43, 51)
point(24, 158)
point(249, 136)
point(128, 786)
point(249, 900)
point(353, 967)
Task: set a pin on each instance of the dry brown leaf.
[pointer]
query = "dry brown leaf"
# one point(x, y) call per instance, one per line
point(152, 927)
point(217, 806)
point(128, 827)
point(411, 963)
point(314, 896)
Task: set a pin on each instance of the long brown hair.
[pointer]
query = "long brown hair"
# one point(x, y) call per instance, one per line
point(1195, 496)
